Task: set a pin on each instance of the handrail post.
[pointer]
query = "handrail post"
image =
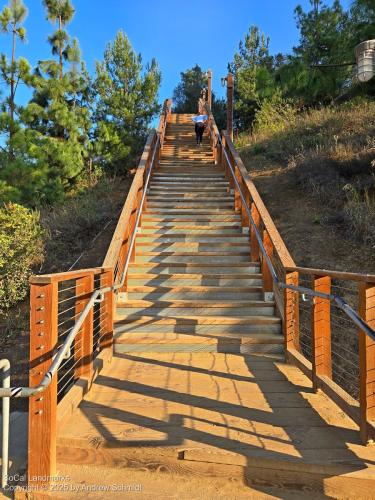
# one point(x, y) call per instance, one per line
point(237, 196)
point(291, 315)
point(122, 257)
point(367, 363)
point(42, 407)
point(107, 312)
point(244, 215)
point(230, 88)
point(266, 272)
point(209, 88)
point(84, 341)
point(321, 330)
point(254, 244)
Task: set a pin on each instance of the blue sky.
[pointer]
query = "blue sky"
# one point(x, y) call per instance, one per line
point(178, 33)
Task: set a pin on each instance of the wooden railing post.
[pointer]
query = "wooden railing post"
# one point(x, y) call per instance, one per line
point(230, 93)
point(244, 215)
point(321, 330)
point(266, 273)
point(209, 88)
point(254, 245)
point(107, 312)
point(122, 258)
point(84, 341)
point(42, 407)
point(367, 363)
point(237, 197)
point(291, 315)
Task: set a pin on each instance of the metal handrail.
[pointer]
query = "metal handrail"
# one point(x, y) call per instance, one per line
point(26, 392)
point(340, 302)
point(5, 366)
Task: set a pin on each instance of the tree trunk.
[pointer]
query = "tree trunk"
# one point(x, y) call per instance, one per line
point(61, 51)
point(12, 93)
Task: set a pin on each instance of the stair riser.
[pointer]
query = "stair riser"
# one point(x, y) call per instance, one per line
point(182, 204)
point(123, 332)
point(194, 282)
point(190, 211)
point(206, 270)
point(127, 312)
point(205, 244)
point(209, 259)
point(191, 225)
point(194, 296)
point(191, 247)
point(194, 348)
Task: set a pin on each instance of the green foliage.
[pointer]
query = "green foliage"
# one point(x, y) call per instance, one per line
point(252, 68)
point(187, 92)
point(12, 70)
point(315, 73)
point(126, 103)
point(275, 114)
point(21, 248)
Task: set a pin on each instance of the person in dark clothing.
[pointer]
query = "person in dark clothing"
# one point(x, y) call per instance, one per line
point(199, 130)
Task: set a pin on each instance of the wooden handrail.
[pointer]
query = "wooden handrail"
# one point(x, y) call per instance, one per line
point(117, 250)
point(117, 241)
point(269, 225)
point(65, 276)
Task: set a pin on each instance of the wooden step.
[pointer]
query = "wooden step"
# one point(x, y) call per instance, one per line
point(194, 321)
point(189, 197)
point(189, 242)
point(175, 280)
point(180, 203)
point(234, 217)
point(198, 258)
point(183, 211)
point(206, 269)
point(197, 308)
point(160, 294)
point(202, 225)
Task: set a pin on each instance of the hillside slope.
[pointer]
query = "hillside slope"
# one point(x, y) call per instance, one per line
point(316, 173)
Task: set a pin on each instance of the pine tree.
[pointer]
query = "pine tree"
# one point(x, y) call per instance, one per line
point(61, 12)
point(187, 92)
point(11, 20)
point(58, 118)
point(126, 104)
point(323, 41)
point(252, 67)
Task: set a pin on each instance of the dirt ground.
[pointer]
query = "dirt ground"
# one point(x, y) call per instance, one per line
point(307, 227)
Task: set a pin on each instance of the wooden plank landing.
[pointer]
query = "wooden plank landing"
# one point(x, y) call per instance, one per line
point(217, 408)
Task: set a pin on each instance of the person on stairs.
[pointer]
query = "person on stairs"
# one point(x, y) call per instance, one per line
point(200, 123)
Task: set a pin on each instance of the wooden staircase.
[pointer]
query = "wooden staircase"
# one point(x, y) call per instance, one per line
point(198, 385)
point(192, 286)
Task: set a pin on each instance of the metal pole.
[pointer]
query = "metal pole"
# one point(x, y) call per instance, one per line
point(230, 105)
point(209, 88)
point(5, 366)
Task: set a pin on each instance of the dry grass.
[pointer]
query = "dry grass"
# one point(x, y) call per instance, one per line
point(72, 226)
point(333, 153)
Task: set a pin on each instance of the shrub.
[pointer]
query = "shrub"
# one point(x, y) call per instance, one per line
point(274, 115)
point(21, 248)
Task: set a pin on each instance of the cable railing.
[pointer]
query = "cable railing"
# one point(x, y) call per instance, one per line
point(311, 338)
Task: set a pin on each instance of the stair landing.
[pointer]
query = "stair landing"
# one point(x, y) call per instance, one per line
point(252, 416)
